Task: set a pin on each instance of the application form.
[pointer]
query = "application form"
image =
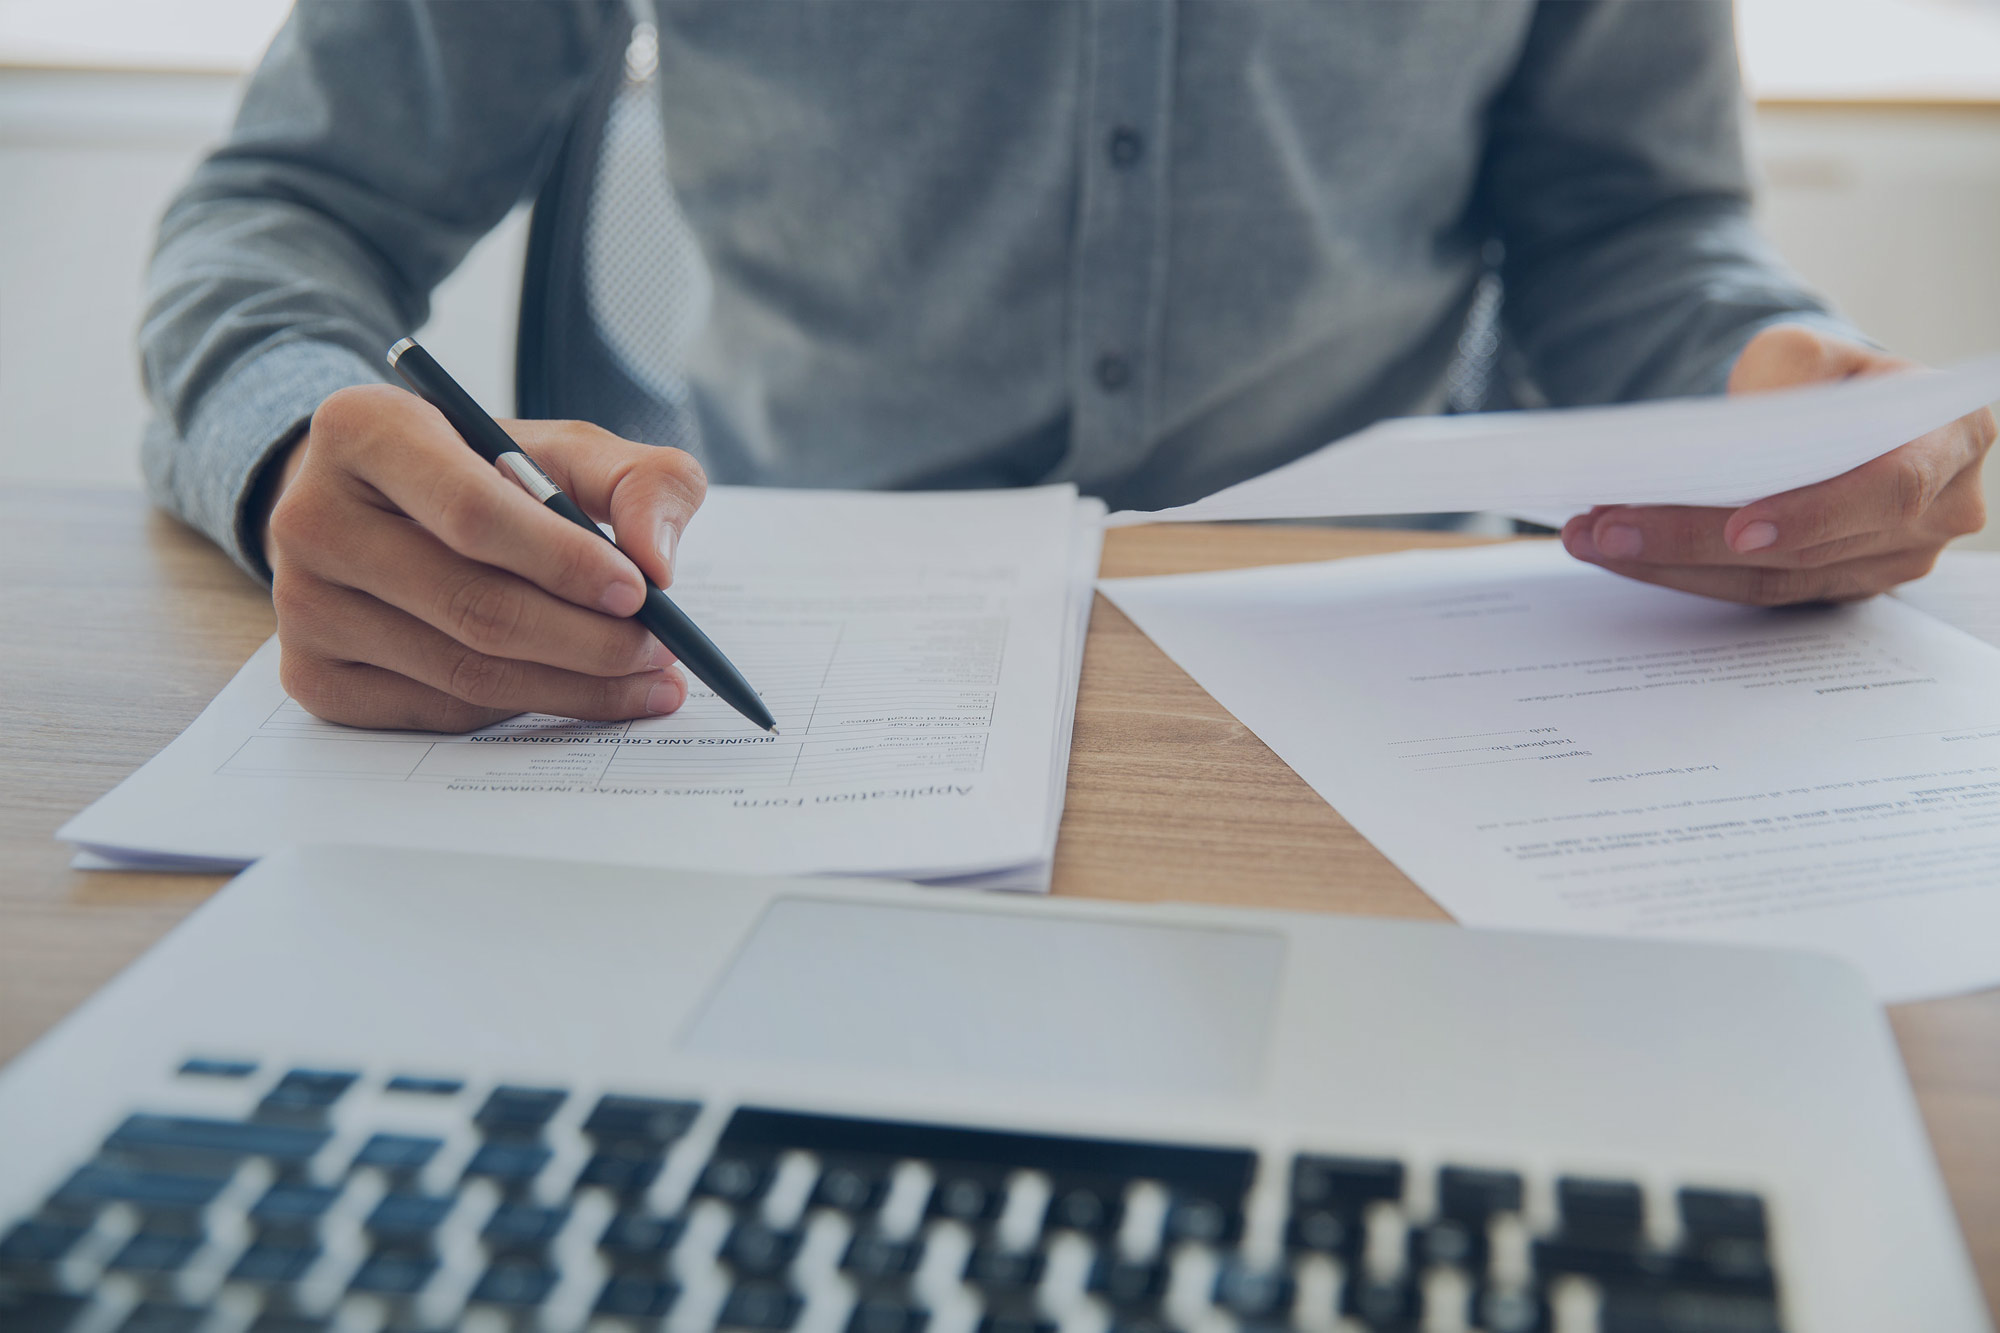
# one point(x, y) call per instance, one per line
point(920, 654)
point(1724, 451)
point(1541, 744)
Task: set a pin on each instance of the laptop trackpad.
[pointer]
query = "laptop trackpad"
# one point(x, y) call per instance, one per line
point(980, 996)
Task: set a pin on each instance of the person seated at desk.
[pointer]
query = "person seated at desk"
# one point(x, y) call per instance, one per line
point(1151, 248)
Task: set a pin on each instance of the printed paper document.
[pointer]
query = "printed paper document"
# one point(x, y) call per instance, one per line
point(920, 653)
point(1691, 451)
point(1541, 744)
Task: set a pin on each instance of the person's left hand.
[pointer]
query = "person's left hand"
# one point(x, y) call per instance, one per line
point(1861, 533)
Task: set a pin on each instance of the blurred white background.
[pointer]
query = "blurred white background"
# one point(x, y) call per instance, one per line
point(1877, 130)
point(105, 107)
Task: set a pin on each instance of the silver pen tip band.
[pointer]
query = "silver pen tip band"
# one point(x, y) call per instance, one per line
point(535, 480)
point(400, 348)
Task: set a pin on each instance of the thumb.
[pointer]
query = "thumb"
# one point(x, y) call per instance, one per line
point(646, 492)
point(1786, 356)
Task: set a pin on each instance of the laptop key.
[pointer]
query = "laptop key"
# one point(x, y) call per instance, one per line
point(652, 1121)
point(1378, 1304)
point(156, 1252)
point(1609, 1264)
point(1473, 1195)
point(511, 1165)
point(874, 1315)
point(408, 1217)
point(210, 1067)
point(292, 1209)
point(1509, 1310)
point(1668, 1310)
point(163, 1317)
point(1326, 1231)
point(760, 1305)
point(966, 1196)
point(522, 1229)
point(755, 1250)
point(422, 1085)
point(1203, 1221)
point(872, 1257)
point(1601, 1211)
point(305, 1094)
point(628, 1170)
point(1345, 1182)
point(517, 1112)
point(268, 1264)
point(1445, 1242)
point(515, 1282)
point(1223, 1173)
point(401, 1155)
point(635, 1238)
point(394, 1272)
point(223, 1143)
point(39, 1311)
point(996, 1271)
point(1253, 1293)
point(150, 1191)
point(36, 1245)
point(1015, 1321)
point(734, 1178)
point(272, 1321)
point(853, 1187)
point(1726, 1263)
point(638, 1297)
point(1093, 1208)
point(1706, 1213)
point(1125, 1283)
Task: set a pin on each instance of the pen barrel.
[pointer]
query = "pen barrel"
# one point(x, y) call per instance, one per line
point(671, 626)
point(420, 370)
point(667, 622)
point(698, 653)
point(569, 509)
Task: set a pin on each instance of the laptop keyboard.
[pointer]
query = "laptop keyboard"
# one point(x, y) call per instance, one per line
point(327, 1199)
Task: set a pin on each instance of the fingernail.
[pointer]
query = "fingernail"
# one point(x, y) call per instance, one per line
point(670, 538)
point(1578, 543)
point(619, 599)
point(660, 656)
point(1621, 542)
point(670, 693)
point(1756, 537)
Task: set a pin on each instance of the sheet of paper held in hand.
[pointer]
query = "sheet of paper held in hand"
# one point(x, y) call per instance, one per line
point(920, 653)
point(1690, 451)
point(1540, 744)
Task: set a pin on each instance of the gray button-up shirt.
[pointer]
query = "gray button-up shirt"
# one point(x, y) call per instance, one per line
point(1151, 246)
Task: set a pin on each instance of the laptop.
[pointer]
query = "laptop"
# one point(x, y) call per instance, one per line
point(368, 1090)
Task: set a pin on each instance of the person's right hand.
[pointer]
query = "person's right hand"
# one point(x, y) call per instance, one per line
point(418, 587)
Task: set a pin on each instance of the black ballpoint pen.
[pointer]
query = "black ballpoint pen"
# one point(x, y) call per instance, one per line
point(668, 623)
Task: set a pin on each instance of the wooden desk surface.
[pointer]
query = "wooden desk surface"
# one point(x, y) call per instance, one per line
point(118, 625)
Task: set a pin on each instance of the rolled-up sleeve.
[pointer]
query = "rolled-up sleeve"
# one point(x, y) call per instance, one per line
point(376, 143)
point(1616, 180)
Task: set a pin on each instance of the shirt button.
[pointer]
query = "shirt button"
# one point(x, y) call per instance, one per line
point(1126, 147)
point(1113, 372)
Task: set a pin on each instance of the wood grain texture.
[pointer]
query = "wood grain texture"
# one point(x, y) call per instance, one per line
point(117, 625)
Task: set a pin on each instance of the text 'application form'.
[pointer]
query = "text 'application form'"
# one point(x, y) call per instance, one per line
point(919, 652)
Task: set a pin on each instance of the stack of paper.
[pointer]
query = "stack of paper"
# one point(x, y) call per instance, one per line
point(920, 653)
point(1543, 745)
point(1695, 451)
